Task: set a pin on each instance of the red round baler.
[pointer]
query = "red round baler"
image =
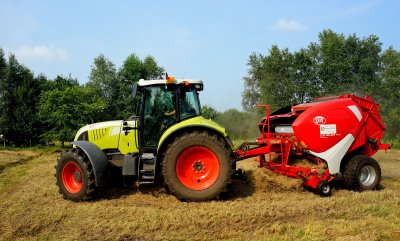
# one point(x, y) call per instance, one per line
point(338, 134)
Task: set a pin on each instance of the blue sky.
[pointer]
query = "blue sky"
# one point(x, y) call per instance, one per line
point(207, 40)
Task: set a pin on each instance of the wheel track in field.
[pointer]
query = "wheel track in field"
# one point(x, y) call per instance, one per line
point(19, 161)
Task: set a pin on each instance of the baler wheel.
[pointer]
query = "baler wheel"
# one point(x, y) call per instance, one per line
point(74, 175)
point(324, 188)
point(362, 173)
point(197, 166)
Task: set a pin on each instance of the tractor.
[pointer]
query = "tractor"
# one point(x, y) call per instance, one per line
point(168, 140)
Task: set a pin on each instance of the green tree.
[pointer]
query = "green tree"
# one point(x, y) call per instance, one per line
point(239, 124)
point(389, 92)
point(252, 93)
point(103, 76)
point(133, 69)
point(104, 82)
point(208, 112)
point(336, 64)
point(305, 76)
point(27, 125)
point(348, 64)
point(66, 110)
point(3, 93)
point(19, 94)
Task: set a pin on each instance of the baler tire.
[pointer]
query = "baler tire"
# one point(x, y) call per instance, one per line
point(72, 189)
point(189, 157)
point(324, 188)
point(362, 173)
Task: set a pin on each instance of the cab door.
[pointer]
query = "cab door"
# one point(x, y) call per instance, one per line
point(158, 113)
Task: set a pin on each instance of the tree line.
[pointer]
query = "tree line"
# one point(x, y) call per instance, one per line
point(37, 110)
point(336, 64)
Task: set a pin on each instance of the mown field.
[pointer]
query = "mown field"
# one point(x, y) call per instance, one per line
point(264, 207)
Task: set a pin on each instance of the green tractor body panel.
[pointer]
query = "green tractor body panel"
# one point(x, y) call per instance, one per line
point(109, 135)
point(198, 121)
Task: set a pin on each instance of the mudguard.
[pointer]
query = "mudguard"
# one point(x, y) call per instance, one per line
point(198, 122)
point(97, 159)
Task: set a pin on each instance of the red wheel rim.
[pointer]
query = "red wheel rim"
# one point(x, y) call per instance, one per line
point(197, 168)
point(72, 177)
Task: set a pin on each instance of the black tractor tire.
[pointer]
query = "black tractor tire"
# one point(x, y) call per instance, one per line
point(75, 176)
point(324, 188)
point(197, 166)
point(362, 173)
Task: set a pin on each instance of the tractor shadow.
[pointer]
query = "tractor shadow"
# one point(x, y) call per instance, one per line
point(242, 186)
point(121, 188)
point(117, 186)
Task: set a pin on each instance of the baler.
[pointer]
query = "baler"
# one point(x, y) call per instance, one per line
point(337, 135)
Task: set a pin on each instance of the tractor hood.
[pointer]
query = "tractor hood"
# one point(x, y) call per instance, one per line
point(115, 125)
point(109, 135)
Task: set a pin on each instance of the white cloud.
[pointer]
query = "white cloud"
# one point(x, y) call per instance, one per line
point(289, 25)
point(41, 53)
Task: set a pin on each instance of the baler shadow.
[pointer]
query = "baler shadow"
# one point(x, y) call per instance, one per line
point(339, 185)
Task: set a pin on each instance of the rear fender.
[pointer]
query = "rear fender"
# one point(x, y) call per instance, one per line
point(198, 122)
point(96, 157)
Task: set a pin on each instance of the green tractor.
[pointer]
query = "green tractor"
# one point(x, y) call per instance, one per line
point(168, 140)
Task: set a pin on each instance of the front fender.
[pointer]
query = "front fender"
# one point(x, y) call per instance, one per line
point(96, 157)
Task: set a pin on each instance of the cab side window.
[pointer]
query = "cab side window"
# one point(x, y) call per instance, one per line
point(189, 103)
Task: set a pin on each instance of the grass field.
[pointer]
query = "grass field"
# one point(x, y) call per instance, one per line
point(265, 207)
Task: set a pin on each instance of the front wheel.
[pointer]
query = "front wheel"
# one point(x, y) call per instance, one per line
point(197, 166)
point(74, 175)
point(362, 173)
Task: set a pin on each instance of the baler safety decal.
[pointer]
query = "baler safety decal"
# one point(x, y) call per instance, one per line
point(327, 130)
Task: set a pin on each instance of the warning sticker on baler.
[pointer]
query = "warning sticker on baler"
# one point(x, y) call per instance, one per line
point(327, 130)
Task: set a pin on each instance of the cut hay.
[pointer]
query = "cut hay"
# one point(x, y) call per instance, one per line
point(265, 180)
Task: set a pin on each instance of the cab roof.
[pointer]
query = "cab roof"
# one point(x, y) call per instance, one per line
point(143, 82)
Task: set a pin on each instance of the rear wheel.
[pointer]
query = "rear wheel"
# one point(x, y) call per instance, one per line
point(75, 177)
point(197, 166)
point(362, 173)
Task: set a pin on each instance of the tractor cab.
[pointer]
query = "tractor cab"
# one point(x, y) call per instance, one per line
point(164, 103)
